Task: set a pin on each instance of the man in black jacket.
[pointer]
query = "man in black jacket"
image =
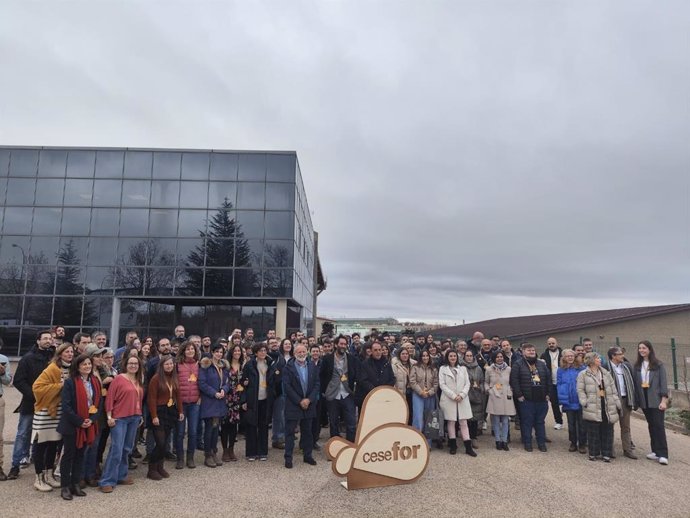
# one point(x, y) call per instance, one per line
point(340, 374)
point(29, 368)
point(530, 380)
point(552, 358)
point(377, 371)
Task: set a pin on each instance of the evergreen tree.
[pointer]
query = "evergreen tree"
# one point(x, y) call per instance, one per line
point(68, 310)
point(224, 246)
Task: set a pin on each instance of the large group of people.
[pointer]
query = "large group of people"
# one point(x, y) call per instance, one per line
point(80, 396)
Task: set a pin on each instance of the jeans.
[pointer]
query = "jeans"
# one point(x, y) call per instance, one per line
point(500, 425)
point(346, 408)
point(306, 440)
point(211, 434)
point(191, 419)
point(278, 434)
point(532, 415)
point(22, 442)
point(420, 406)
point(122, 437)
point(90, 458)
point(577, 431)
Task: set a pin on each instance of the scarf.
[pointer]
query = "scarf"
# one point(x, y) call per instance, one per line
point(470, 365)
point(86, 436)
point(500, 367)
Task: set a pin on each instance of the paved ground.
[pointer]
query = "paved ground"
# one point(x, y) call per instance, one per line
point(514, 483)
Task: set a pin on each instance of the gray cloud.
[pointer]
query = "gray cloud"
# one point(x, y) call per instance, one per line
point(462, 160)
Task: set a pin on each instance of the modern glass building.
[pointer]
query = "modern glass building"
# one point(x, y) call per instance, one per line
point(115, 239)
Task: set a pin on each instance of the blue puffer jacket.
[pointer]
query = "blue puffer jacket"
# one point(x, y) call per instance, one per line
point(567, 387)
point(209, 384)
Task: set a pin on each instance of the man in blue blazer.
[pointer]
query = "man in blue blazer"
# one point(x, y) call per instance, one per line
point(301, 388)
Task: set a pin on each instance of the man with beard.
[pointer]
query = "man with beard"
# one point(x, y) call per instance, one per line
point(530, 380)
point(552, 358)
point(339, 374)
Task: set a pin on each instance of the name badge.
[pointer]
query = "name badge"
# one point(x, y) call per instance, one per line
point(93, 409)
point(601, 393)
point(536, 378)
point(343, 378)
point(263, 384)
point(475, 384)
point(645, 384)
point(192, 378)
point(104, 392)
point(499, 386)
point(170, 402)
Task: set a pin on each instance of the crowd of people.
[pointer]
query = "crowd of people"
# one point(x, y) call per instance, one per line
point(80, 396)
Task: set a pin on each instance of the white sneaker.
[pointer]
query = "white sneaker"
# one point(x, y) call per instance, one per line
point(41, 485)
point(484, 426)
point(652, 456)
point(558, 426)
point(50, 479)
point(663, 460)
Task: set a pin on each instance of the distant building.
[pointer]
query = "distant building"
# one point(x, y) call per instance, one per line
point(624, 327)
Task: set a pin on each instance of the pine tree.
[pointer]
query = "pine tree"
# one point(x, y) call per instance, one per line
point(224, 246)
point(68, 310)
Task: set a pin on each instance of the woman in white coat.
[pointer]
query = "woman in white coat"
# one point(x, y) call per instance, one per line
point(454, 383)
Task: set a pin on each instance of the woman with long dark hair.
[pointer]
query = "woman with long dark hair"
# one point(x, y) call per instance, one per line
point(229, 424)
point(651, 388)
point(123, 408)
point(257, 378)
point(47, 391)
point(454, 382)
point(81, 400)
point(476, 394)
point(165, 411)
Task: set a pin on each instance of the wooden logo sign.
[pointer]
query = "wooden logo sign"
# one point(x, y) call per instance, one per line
point(387, 451)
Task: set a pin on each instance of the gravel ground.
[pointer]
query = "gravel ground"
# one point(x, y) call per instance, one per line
point(514, 483)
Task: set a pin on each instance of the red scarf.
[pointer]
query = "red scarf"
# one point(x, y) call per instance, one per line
point(86, 436)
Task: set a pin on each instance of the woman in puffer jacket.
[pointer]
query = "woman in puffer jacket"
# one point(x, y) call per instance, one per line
point(214, 384)
point(402, 365)
point(600, 406)
point(566, 383)
point(188, 379)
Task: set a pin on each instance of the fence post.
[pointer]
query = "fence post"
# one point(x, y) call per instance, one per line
point(675, 364)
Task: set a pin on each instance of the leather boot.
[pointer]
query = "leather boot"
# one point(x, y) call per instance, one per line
point(231, 454)
point(161, 470)
point(209, 461)
point(180, 462)
point(190, 460)
point(153, 472)
point(453, 445)
point(217, 459)
point(468, 449)
point(226, 454)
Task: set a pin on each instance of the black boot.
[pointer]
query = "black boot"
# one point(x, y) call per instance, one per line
point(453, 445)
point(499, 445)
point(505, 447)
point(469, 450)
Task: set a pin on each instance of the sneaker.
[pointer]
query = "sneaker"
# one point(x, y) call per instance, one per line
point(558, 426)
point(572, 448)
point(251, 459)
point(663, 460)
point(24, 463)
point(13, 473)
point(263, 458)
point(49, 479)
point(484, 426)
point(40, 484)
point(652, 456)
point(607, 459)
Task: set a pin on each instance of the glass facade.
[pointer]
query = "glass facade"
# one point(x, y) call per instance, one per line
point(212, 238)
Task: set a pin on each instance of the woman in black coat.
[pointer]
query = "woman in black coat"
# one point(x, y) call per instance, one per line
point(81, 397)
point(257, 395)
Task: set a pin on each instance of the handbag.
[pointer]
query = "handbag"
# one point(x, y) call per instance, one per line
point(433, 423)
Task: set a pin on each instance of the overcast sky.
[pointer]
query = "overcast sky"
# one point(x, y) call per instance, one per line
point(462, 160)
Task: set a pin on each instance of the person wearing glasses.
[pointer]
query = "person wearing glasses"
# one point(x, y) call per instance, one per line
point(623, 377)
point(123, 407)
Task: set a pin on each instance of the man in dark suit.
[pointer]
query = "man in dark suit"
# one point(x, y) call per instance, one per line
point(301, 386)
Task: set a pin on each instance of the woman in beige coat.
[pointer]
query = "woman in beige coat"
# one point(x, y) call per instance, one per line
point(600, 406)
point(454, 383)
point(424, 385)
point(501, 405)
point(402, 365)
